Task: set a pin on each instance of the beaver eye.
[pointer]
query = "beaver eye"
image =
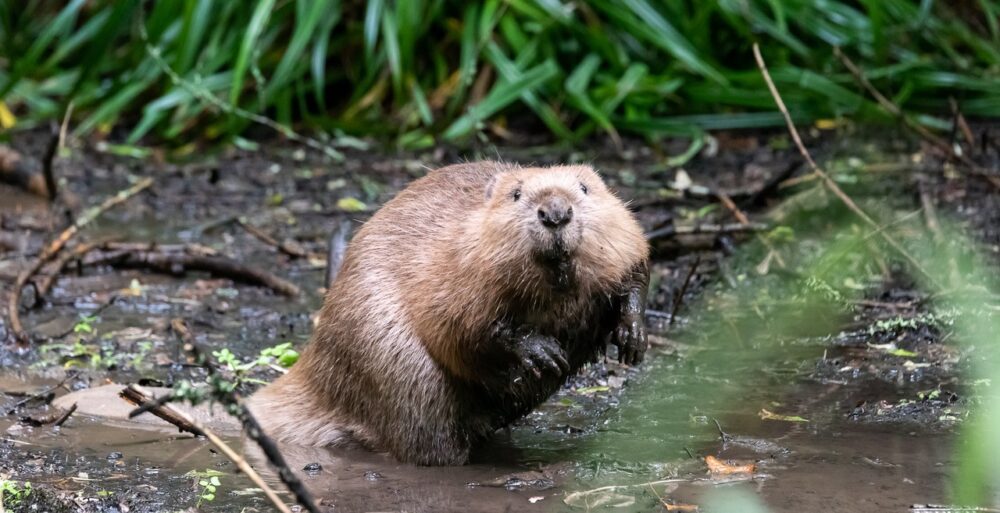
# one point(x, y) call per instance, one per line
point(516, 194)
point(583, 187)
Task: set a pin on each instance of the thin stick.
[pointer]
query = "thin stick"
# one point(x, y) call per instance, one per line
point(47, 162)
point(830, 184)
point(728, 203)
point(136, 391)
point(745, 221)
point(288, 249)
point(65, 416)
point(894, 110)
point(45, 282)
point(704, 229)
point(680, 295)
point(56, 245)
point(65, 125)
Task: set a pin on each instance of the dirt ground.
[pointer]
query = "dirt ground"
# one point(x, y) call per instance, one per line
point(866, 405)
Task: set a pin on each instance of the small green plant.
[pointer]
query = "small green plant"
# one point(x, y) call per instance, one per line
point(85, 324)
point(11, 494)
point(281, 355)
point(207, 484)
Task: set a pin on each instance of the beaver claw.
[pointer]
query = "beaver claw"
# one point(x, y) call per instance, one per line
point(630, 333)
point(630, 338)
point(539, 352)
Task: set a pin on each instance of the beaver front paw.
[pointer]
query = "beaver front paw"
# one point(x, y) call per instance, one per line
point(537, 353)
point(630, 338)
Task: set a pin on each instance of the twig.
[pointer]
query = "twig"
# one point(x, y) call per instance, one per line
point(47, 162)
point(40, 395)
point(46, 281)
point(149, 257)
point(253, 430)
point(894, 110)
point(187, 339)
point(186, 423)
point(742, 218)
point(56, 245)
point(830, 184)
point(728, 203)
point(288, 249)
point(960, 124)
point(722, 434)
point(65, 125)
point(672, 230)
point(65, 416)
point(680, 295)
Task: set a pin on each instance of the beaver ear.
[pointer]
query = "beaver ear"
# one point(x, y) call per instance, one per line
point(490, 185)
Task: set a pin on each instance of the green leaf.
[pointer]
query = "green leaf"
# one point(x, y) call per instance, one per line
point(501, 95)
point(257, 23)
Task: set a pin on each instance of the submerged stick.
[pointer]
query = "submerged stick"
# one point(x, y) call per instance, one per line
point(830, 184)
point(56, 245)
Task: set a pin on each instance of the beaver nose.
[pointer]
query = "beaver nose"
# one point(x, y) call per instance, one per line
point(555, 212)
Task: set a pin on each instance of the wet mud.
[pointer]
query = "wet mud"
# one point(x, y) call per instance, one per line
point(878, 391)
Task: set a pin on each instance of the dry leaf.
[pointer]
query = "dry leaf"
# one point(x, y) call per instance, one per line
point(768, 415)
point(721, 468)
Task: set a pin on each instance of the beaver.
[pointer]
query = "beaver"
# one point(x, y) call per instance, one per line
point(462, 304)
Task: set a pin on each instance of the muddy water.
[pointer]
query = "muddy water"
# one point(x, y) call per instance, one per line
point(664, 414)
point(617, 439)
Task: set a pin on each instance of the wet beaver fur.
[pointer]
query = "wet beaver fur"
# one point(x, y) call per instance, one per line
point(464, 303)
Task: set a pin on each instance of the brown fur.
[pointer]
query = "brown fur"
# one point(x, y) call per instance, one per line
point(402, 352)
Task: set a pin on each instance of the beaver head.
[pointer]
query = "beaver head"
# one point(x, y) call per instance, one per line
point(560, 226)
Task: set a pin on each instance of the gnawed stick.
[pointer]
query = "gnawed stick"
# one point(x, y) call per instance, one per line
point(56, 245)
point(136, 395)
point(830, 184)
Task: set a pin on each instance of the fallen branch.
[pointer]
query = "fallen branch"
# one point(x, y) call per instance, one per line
point(921, 130)
point(136, 395)
point(830, 184)
point(150, 256)
point(53, 248)
point(672, 230)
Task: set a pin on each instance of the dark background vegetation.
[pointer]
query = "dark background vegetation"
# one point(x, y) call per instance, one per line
point(425, 71)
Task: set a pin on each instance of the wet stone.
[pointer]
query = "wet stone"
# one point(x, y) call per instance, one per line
point(312, 468)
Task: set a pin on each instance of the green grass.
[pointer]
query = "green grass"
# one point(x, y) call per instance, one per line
point(427, 71)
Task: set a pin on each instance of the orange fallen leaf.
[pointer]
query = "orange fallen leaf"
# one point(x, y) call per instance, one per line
point(719, 467)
